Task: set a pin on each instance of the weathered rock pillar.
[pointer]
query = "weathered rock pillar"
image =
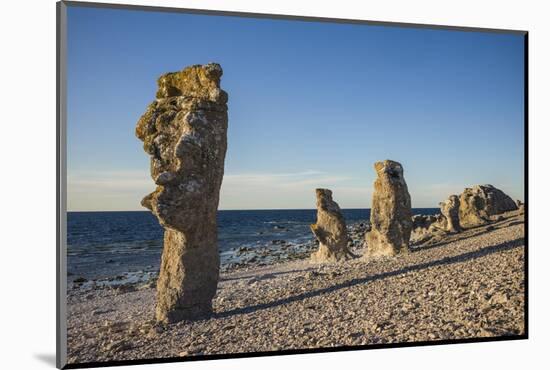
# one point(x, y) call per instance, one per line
point(330, 230)
point(450, 209)
point(391, 215)
point(185, 132)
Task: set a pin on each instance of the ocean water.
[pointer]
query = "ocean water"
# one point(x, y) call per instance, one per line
point(108, 244)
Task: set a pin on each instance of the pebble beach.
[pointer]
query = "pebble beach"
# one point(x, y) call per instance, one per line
point(456, 286)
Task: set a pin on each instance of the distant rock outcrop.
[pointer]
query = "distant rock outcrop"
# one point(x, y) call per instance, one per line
point(520, 205)
point(330, 230)
point(450, 210)
point(479, 203)
point(185, 132)
point(391, 215)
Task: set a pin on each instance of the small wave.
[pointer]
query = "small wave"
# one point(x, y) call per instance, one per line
point(286, 222)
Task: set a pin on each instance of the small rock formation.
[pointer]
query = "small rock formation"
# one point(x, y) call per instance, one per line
point(449, 209)
point(427, 227)
point(420, 228)
point(479, 203)
point(391, 215)
point(423, 221)
point(330, 230)
point(185, 132)
point(520, 205)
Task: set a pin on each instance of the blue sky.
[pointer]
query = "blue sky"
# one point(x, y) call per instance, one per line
point(310, 105)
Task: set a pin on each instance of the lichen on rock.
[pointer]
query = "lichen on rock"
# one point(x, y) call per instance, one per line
point(185, 132)
point(330, 230)
point(391, 215)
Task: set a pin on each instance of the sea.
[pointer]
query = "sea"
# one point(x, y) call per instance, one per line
point(103, 245)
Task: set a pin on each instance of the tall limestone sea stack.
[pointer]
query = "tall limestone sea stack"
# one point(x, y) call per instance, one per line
point(330, 230)
point(391, 215)
point(185, 132)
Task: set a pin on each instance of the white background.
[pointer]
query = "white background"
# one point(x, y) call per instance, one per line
point(27, 135)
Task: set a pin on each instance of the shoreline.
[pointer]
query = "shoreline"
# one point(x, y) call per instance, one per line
point(461, 285)
point(98, 254)
point(244, 257)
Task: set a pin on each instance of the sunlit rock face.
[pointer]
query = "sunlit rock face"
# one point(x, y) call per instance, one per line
point(330, 230)
point(185, 133)
point(391, 215)
point(480, 202)
point(450, 210)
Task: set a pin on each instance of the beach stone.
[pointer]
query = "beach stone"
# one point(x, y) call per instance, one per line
point(330, 230)
point(480, 202)
point(391, 215)
point(450, 209)
point(185, 132)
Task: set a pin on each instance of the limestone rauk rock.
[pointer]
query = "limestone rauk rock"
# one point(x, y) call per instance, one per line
point(391, 215)
point(450, 209)
point(185, 132)
point(330, 230)
point(479, 203)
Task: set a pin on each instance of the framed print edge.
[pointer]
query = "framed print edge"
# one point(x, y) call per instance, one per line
point(61, 193)
point(289, 17)
point(61, 186)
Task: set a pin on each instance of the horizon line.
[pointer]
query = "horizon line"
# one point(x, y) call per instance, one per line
point(246, 209)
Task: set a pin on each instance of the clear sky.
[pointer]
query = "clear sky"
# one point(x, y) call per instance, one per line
point(310, 105)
